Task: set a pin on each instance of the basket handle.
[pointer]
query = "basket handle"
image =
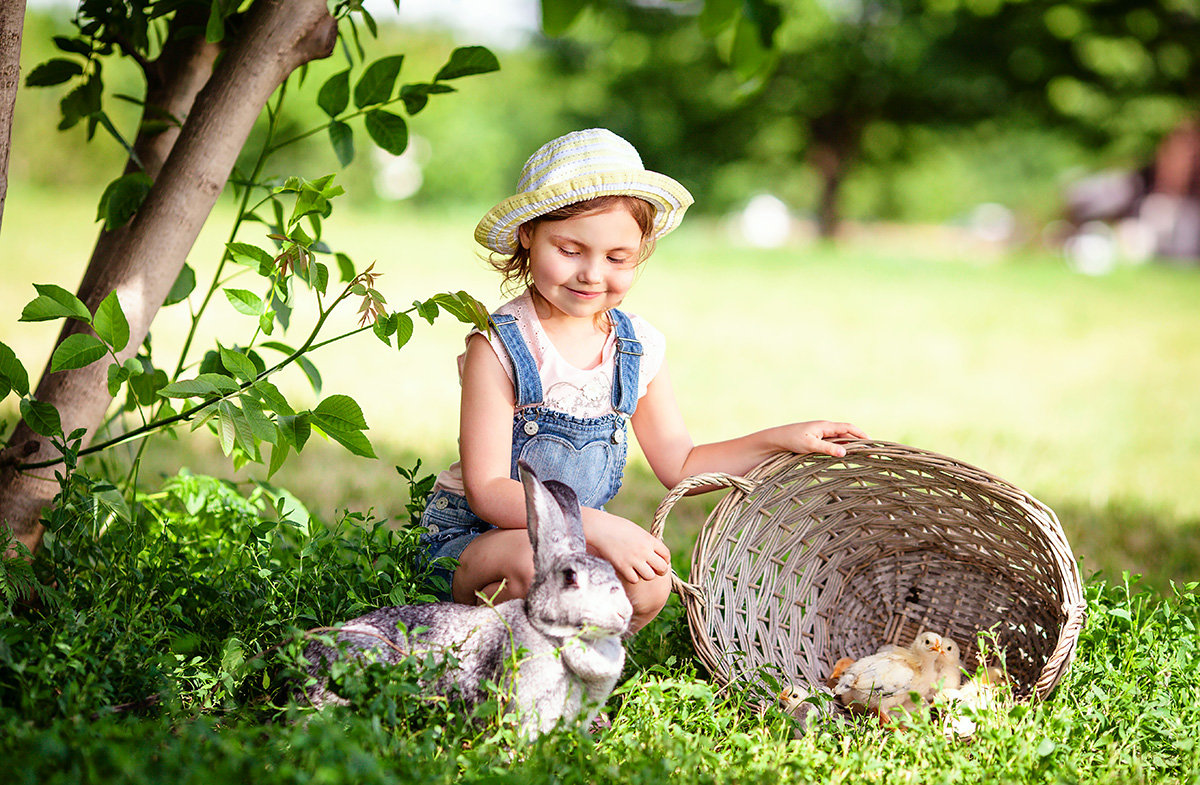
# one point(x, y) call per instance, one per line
point(709, 479)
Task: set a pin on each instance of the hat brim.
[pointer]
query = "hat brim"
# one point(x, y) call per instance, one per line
point(498, 229)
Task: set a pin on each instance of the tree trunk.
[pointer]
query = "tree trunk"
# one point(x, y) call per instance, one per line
point(832, 164)
point(12, 20)
point(142, 262)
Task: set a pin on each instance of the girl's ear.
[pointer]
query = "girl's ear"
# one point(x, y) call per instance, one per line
point(524, 235)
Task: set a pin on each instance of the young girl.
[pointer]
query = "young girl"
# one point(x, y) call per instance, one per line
point(563, 372)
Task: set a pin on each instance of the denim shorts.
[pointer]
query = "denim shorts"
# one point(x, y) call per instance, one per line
point(449, 527)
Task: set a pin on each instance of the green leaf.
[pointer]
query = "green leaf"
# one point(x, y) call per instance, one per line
point(54, 302)
point(404, 329)
point(117, 375)
point(296, 429)
point(717, 15)
point(225, 427)
point(243, 436)
point(238, 364)
point(334, 95)
point(251, 256)
point(415, 96)
point(387, 130)
point(272, 397)
point(77, 351)
point(354, 441)
point(83, 101)
point(427, 310)
point(376, 84)
point(110, 323)
point(185, 284)
point(464, 307)
point(145, 387)
point(12, 373)
point(244, 301)
point(558, 15)
point(73, 45)
point(471, 60)
point(53, 72)
point(279, 454)
point(260, 425)
point(748, 56)
point(345, 267)
point(341, 136)
point(42, 418)
point(384, 326)
point(340, 413)
point(122, 198)
point(190, 388)
point(310, 370)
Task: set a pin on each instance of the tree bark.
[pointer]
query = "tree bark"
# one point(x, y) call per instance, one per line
point(832, 164)
point(142, 262)
point(12, 20)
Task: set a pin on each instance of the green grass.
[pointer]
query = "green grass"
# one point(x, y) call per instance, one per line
point(1079, 390)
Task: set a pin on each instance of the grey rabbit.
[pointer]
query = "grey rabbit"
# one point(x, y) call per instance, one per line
point(564, 637)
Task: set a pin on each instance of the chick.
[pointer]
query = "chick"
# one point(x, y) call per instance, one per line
point(839, 668)
point(885, 680)
point(980, 693)
point(947, 669)
point(796, 701)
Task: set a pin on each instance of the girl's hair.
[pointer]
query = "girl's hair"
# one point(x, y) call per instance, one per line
point(515, 268)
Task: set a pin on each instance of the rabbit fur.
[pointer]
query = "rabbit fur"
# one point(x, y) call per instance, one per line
point(556, 654)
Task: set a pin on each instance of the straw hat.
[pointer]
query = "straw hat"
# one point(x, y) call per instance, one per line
point(579, 166)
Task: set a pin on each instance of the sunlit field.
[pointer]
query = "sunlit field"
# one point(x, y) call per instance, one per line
point(1081, 390)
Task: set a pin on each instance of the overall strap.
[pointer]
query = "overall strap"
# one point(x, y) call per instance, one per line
point(626, 362)
point(526, 381)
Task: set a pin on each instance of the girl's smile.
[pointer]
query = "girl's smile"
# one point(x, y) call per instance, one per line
point(585, 265)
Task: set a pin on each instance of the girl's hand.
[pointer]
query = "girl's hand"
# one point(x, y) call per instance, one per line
point(636, 554)
point(804, 437)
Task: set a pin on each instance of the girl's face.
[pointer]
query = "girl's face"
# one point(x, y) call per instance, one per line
point(583, 266)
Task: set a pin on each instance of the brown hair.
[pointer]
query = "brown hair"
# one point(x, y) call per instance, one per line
point(515, 267)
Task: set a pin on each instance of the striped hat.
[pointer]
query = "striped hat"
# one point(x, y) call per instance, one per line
point(579, 166)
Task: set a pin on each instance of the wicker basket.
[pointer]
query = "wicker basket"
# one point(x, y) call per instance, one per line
point(811, 558)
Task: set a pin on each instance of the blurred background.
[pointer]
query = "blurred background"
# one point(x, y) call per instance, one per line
point(972, 226)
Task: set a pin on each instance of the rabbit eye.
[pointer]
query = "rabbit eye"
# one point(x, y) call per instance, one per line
point(569, 577)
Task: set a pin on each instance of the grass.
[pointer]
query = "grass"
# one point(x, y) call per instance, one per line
point(1077, 389)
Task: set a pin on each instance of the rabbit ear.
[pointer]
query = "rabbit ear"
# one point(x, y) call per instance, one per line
point(552, 516)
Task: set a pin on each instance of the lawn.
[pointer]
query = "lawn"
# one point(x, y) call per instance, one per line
point(139, 667)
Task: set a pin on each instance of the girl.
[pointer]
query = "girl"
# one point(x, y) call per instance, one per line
point(563, 372)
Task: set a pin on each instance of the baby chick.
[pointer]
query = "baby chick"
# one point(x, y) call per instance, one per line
point(839, 668)
point(795, 701)
point(947, 669)
point(885, 680)
point(980, 693)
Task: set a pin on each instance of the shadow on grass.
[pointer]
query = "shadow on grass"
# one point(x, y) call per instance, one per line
point(1124, 535)
point(1127, 535)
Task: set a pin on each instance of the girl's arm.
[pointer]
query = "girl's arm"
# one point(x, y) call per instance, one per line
point(668, 447)
point(485, 448)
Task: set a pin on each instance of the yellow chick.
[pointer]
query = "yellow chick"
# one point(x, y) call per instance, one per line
point(947, 669)
point(885, 680)
point(794, 701)
point(981, 692)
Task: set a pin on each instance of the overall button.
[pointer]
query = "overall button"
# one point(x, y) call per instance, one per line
point(531, 427)
point(618, 436)
point(441, 503)
point(432, 529)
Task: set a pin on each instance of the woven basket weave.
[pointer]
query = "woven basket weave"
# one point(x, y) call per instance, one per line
point(811, 558)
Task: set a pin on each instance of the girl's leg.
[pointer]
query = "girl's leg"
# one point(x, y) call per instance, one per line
point(497, 564)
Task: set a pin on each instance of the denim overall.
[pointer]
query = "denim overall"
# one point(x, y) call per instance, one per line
point(588, 454)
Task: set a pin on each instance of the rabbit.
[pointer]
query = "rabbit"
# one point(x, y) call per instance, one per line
point(565, 636)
